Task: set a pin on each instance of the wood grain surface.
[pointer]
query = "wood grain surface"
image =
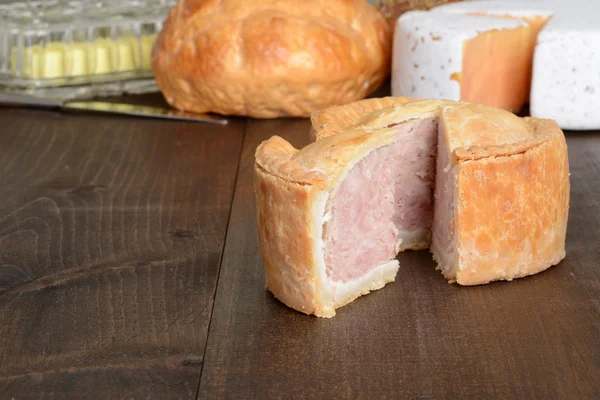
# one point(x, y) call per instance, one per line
point(418, 338)
point(130, 268)
point(111, 232)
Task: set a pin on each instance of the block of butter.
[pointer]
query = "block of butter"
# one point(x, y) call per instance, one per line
point(72, 49)
point(101, 56)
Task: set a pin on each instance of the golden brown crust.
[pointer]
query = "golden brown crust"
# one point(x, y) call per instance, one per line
point(288, 248)
point(473, 131)
point(320, 163)
point(274, 156)
point(399, 113)
point(290, 185)
point(336, 119)
point(511, 215)
point(476, 131)
point(268, 58)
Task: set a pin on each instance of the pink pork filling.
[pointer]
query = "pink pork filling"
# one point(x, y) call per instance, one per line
point(361, 234)
point(414, 165)
point(386, 196)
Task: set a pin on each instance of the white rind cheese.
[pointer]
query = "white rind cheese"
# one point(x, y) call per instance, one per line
point(565, 83)
point(566, 72)
point(428, 52)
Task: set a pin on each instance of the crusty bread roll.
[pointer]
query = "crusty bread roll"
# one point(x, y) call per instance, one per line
point(485, 190)
point(270, 58)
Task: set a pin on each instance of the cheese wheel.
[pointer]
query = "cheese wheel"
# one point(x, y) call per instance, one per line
point(557, 74)
point(485, 190)
point(460, 57)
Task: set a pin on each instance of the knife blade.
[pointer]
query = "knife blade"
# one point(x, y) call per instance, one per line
point(142, 111)
point(111, 108)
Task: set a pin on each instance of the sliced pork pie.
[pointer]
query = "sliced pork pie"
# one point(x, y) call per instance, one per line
point(486, 191)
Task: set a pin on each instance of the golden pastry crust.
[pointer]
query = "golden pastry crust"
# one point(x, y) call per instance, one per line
point(288, 248)
point(335, 119)
point(476, 131)
point(267, 59)
point(291, 188)
point(372, 115)
point(512, 209)
point(473, 131)
point(321, 163)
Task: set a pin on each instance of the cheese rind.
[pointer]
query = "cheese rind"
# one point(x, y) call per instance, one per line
point(565, 54)
point(431, 51)
point(566, 76)
point(515, 8)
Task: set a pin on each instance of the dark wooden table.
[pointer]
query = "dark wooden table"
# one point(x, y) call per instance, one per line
point(130, 268)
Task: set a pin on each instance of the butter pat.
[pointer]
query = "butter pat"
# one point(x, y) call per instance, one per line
point(30, 62)
point(77, 60)
point(147, 45)
point(126, 54)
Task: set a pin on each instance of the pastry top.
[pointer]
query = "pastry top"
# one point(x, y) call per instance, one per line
point(268, 58)
point(472, 131)
point(476, 131)
point(321, 162)
point(467, 124)
point(332, 120)
point(396, 114)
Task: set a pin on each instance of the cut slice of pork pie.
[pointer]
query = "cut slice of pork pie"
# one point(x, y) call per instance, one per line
point(487, 191)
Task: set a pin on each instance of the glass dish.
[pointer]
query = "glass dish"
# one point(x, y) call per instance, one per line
point(79, 48)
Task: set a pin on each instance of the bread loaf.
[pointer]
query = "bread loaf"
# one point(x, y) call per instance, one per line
point(268, 59)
